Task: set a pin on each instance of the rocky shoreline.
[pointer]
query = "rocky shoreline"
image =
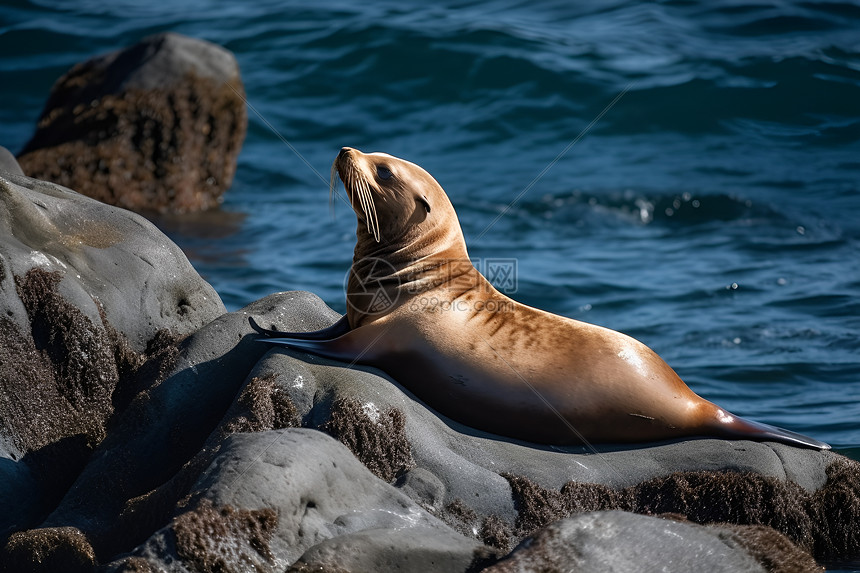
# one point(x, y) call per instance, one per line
point(144, 428)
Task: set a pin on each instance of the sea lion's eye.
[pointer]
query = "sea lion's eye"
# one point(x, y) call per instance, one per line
point(383, 172)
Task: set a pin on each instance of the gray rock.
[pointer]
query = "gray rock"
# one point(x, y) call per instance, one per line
point(619, 542)
point(326, 511)
point(107, 257)
point(86, 292)
point(415, 549)
point(169, 423)
point(8, 163)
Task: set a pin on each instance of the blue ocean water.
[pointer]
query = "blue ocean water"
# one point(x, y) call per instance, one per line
point(687, 172)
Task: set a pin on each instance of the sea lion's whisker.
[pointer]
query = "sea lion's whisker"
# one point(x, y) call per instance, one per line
point(369, 210)
point(361, 191)
point(332, 187)
point(376, 234)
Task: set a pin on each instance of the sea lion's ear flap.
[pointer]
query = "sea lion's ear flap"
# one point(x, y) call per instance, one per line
point(426, 203)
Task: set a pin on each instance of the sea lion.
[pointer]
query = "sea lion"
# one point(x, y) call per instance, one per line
point(421, 312)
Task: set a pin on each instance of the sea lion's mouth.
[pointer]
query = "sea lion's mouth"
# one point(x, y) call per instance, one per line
point(358, 186)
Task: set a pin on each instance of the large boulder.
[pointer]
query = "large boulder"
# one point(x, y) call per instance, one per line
point(88, 293)
point(156, 126)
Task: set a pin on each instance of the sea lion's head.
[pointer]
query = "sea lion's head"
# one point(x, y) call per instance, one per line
point(396, 202)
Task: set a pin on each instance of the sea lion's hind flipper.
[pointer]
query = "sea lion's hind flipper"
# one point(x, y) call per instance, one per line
point(743, 428)
point(339, 328)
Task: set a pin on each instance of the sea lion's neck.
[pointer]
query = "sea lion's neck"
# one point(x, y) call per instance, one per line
point(386, 274)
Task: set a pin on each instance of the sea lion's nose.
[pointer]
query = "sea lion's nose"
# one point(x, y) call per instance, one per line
point(344, 151)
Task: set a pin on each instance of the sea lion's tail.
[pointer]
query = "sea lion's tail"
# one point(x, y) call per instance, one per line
point(737, 427)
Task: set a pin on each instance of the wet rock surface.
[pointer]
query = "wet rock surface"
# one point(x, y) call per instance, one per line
point(599, 541)
point(156, 126)
point(147, 439)
point(8, 163)
point(88, 294)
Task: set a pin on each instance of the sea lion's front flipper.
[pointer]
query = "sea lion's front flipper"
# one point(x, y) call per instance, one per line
point(743, 428)
point(339, 328)
point(353, 347)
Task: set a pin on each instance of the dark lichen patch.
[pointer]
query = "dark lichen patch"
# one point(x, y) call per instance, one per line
point(156, 363)
point(461, 517)
point(835, 508)
point(67, 373)
point(484, 557)
point(491, 530)
point(773, 550)
point(47, 550)
point(32, 410)
point(144, 514)
point(81, 355)
point(538, 506)
point(377, 438)
point(59, 382)
point(825, 523)
point(730, 497)
point(56, 383)
point(134, 565)
point(126, 359)
point(262, 405)
point(595, 497)
point(496, 533)
point(221, 539)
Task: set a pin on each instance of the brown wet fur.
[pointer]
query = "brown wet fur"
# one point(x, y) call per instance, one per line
point(381, 446)
point(825, 523)
point(47, 550)
point(213, 540)
point(160, 149)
